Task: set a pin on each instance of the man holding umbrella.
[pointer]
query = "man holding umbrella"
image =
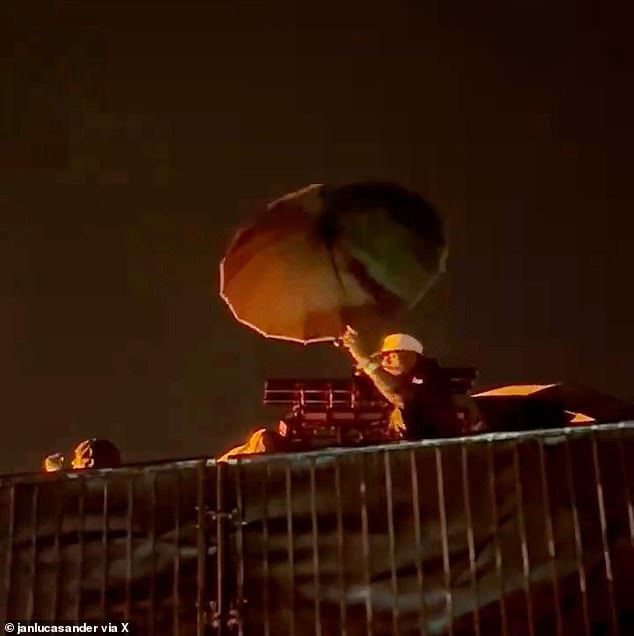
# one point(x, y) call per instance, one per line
point(425, 406)
point(359, 254)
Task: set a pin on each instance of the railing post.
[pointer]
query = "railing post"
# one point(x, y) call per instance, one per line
point(224, 614)
point(220, 518)
point(202, 545)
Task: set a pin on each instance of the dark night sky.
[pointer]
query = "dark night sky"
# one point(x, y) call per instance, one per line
point(136, 137)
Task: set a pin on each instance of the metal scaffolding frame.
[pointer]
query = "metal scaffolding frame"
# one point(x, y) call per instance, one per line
point(529, 533)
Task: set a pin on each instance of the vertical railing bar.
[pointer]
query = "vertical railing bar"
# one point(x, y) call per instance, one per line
point(129, 546)
point(604, 534)
point(550, 536)
point(221, 516)
point(80, 547)
point(340, 550)
point(365, 546)
point(628, 489)
point(176, 599)
point(57, 554)
point(288, 481)
point(152, 581)
point(201, 545)
point(496, 535)
point(240, 601)
point(30, 604)
point(521, 522)
point(315, 542)
point(442, 511)
point(418, 540)
point(10, 547)
point(392, 540)
point(104, 549)
point(470, 537)
point(265, 551)
point(578, 540)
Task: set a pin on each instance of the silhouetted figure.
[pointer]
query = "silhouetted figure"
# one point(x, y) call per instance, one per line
point(96, 453)
point(91, 453)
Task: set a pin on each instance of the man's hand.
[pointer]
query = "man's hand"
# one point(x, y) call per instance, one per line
point(385, 384)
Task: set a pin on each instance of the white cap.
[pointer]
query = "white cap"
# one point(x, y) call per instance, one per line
point(401, 342)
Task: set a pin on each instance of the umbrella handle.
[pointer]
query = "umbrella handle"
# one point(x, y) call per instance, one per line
point(338, 342)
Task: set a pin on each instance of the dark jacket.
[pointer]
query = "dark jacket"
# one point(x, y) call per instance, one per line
point(429, 410)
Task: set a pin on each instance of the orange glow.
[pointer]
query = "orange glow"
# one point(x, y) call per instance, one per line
point(253, 445)
point(580, 418)
point(515, 390)
point(53, 463)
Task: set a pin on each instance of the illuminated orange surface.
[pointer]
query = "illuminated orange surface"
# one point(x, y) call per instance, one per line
point(515, 390)
point(254, 444)
point(580, 418)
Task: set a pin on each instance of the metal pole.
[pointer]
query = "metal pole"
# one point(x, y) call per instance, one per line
point(201, 542)
point(221, 514)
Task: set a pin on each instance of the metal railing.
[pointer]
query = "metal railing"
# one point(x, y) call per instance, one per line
point(506, 534)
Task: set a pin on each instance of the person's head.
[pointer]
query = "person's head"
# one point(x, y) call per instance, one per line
point(54, 463)
point(400, 353)
point(95, 453)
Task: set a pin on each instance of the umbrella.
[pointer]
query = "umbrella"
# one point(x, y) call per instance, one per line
point(322, 258)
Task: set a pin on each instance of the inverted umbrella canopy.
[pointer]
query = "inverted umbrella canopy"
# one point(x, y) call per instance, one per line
point(322, 258)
